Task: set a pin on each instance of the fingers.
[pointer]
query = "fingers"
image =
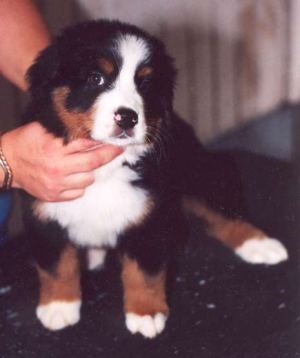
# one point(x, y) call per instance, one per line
point(92, 159)
point(81, 166)
point(79, 181)
point(71, 195)
point(107, 152)
point(80, 145)
point(49, 170)
point(75, 186)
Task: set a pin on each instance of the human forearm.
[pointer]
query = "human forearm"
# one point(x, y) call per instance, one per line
point(22, 35)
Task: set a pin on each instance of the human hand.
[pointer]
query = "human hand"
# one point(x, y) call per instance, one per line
point(49, 170)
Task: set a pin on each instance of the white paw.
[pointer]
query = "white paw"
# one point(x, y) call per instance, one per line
point(95, 258)
point(262, 251)
point(148, 326)
point(57, 314)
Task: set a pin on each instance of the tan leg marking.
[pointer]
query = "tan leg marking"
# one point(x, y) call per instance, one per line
point(232, 232)
point(248, 242)
point(60, 295)
point(144, 299)
point(64, 284)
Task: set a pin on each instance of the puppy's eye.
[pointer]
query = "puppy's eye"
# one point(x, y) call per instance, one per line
point(96, 79)
point(145, 83)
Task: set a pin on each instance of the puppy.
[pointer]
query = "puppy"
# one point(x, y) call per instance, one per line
point(114, 83)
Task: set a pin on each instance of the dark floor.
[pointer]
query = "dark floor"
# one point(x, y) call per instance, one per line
point(220, 306)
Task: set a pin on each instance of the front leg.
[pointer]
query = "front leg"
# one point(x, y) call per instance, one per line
point(60, 295)
point(145, 303)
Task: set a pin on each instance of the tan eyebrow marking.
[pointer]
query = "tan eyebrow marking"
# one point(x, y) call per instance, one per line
point(144, 71)
point(106, 65)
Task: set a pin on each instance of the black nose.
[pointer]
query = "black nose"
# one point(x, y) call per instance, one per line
point(126, 118)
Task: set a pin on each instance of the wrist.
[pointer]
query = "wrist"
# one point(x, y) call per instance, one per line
point(6, 146)
point(6, 170)
point(1, 177)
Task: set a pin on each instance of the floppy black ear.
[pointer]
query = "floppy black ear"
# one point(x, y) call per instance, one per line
point(167, 86)
point(167, 77)
point(43, 70)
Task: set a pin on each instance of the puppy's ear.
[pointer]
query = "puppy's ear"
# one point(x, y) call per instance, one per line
point(42, 72)
point(167, 80)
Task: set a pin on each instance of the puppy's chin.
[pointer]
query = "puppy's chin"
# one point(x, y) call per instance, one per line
point(120, 138)
point(121, 141)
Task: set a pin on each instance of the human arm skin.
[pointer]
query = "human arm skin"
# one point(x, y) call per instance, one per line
point(23, 34)
point(41, 164)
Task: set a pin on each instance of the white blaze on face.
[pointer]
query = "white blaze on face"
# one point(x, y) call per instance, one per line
point(133, 51)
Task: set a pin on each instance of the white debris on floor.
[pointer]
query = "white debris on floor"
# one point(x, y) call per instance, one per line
point(4, 290)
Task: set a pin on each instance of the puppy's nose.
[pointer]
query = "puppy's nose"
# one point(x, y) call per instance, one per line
point(126, 118)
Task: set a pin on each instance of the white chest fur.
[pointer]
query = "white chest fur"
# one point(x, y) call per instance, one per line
point(108, 206)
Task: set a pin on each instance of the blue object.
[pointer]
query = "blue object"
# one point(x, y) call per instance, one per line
point(5, 206)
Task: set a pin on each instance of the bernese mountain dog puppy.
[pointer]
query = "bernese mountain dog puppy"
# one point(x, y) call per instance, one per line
point(114, 83)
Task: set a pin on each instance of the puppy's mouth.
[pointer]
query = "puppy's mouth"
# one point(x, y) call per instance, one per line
point(122, 138)
point(123, 133)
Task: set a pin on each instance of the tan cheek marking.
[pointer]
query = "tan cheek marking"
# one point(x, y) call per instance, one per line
point(106, 66)
point(143, 294)
point(232, 232)
point(78, 124)
point(64, 284)
point(145, 71)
